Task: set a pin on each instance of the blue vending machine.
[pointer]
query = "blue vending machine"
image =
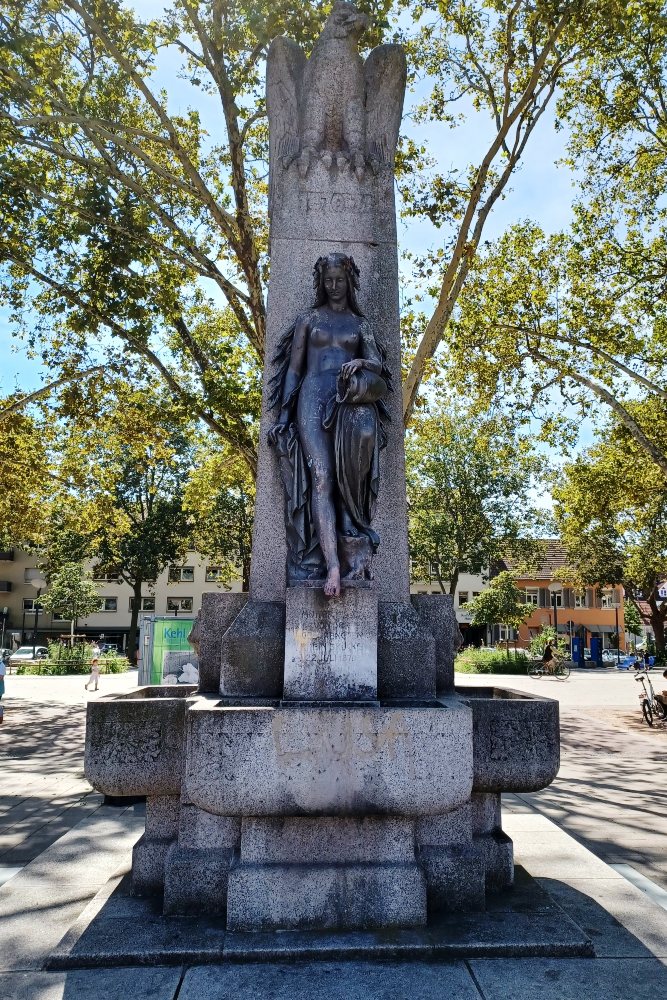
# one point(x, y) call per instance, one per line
point(578, 650)
point(596, 651)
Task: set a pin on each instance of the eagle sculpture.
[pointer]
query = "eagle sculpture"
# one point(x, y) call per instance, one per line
point(334, 105)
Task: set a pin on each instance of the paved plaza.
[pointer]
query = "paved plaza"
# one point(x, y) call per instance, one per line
point(595, 840)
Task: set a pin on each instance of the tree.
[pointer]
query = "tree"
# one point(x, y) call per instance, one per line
point(25, 479)
point(510, 61)
point(501, 604)
point(549, 321)
point(469, 484)
point(219, 502)
point(127, 230)
point(71, 595)
point(611, 509)
point(632, 618)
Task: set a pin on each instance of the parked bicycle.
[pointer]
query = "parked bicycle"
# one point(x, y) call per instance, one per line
point(651, 707)
point(553, 668)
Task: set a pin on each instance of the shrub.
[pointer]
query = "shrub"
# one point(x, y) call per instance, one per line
point(488, 661)
point(64, 660)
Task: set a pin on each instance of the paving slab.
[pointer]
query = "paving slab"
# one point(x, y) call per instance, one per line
point(118, 929)
point(109, 984)
point(618, 917)
point(329, 981)
point(570, 979)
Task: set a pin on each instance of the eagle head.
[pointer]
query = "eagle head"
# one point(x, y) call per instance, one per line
point(345, 20)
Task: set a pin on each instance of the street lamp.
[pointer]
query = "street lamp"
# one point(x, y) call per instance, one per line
point(35, 578)
point(555, 589)
point(618, 637)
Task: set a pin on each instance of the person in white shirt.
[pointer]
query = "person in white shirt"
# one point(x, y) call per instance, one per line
point(94, 668)
point(3, 671)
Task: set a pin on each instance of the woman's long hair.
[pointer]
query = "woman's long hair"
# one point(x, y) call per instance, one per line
point(351, 273)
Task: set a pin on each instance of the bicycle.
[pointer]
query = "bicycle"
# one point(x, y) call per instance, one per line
point(650, 704)
point(559, 669)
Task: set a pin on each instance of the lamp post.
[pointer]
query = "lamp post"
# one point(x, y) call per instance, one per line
point(555, 589)
point(618, 637)
point(35, 578)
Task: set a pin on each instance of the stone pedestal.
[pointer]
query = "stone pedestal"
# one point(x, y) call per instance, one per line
point(331, 646)
point(351, 874)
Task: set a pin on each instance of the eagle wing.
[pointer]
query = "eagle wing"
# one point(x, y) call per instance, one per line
point(285, 63)
point(385, 73)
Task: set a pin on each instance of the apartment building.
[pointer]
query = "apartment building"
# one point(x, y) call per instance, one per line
point(177, 591)
point(589, 613)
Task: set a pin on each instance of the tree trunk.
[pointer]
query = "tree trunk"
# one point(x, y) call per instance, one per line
point(132, 633)
point(658, 614)
point(453, 583)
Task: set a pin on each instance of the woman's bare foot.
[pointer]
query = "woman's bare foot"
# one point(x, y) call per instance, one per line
point(332, 582)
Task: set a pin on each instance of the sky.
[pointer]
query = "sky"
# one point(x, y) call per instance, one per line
point(541, 190)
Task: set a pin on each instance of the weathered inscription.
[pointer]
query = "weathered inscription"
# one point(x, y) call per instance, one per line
point(330, 646)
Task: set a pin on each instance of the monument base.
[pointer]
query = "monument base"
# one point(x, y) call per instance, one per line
point(331, 645)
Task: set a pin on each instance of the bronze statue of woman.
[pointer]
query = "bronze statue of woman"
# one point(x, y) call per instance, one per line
point(330, 382)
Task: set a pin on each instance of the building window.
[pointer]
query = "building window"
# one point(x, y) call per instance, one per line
point(106, 576)
point(30, 604)
point(109, 604)
point(556, 598)
point(504, 633)
point(179, 604)
point(579, 600)
point(146, 604)
point(463, 597)
point(181, 574)
point(475, 594)
point(213, 574)
point(532, 596)
point(434, 569)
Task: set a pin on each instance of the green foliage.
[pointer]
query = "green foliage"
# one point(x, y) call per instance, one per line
point(632, 619)
point(510, 61)
point(219, 501)
point(71, 594)
point(484, 661)
point(611, 508)
point(469, 482)
point(130, 231)
point(501, 604)
point(548, 634)
point(546, 321)
point(65, 659)
point(24, 475)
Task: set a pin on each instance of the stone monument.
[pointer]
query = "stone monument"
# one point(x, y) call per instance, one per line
point(326, 775)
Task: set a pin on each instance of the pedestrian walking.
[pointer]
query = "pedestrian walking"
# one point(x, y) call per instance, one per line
point(3, 670)
point(94, 668)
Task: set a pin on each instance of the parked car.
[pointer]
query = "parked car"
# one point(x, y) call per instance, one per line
point(108, 647)
point(25, 655)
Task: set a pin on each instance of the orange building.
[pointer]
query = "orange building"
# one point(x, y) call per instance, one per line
point(591, 612)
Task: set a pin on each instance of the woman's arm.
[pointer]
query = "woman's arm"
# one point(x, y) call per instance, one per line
point(293, 378)
point(370, 357)
point(296, 365)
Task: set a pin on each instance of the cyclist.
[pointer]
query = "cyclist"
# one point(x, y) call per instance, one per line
point(548, 660)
